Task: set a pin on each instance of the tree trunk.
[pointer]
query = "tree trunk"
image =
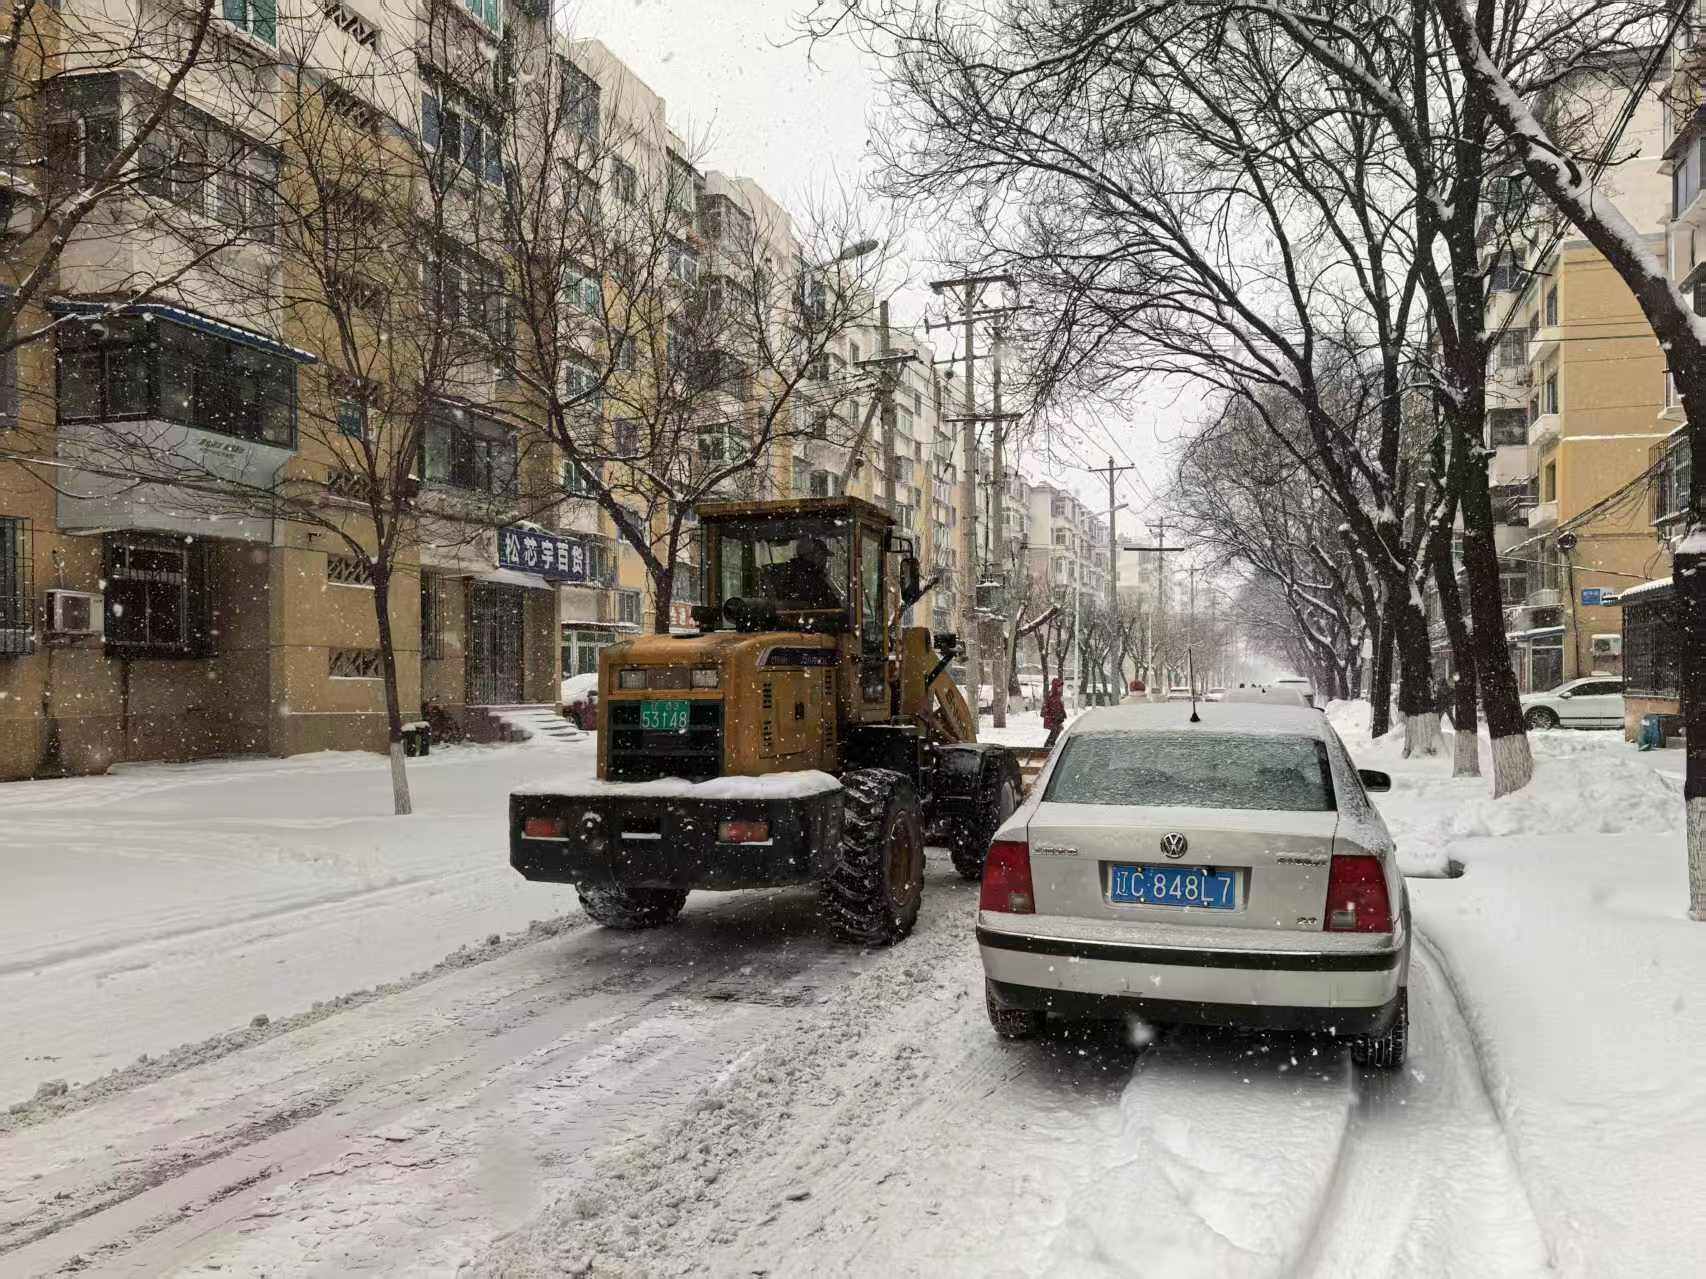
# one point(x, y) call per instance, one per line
point(1415, 675)
point(1466, 754)
point(1380, 672)
point(1513, 762)
point(401, 804)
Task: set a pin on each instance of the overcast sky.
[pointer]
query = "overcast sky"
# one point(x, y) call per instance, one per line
point(798, 120)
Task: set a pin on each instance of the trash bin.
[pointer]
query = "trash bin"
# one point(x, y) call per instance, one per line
point(417, 738)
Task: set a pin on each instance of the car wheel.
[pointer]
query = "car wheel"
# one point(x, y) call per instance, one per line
point(1386, 1051)
point(1012, 1023)
point(1541, 717)
point(875, 886)
point(630, 909)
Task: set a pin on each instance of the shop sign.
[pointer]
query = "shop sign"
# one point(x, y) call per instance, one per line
point(550, 555)
point(1593, 596)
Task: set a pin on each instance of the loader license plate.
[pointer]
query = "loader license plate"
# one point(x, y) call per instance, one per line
point(1173, 886)
point(667, 715)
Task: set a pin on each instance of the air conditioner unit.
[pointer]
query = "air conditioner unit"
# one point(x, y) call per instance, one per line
point(74, 613)
point(1608, 646)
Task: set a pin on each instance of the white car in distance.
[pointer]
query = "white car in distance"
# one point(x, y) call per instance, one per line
point(1594, 701)
point(1224, 870)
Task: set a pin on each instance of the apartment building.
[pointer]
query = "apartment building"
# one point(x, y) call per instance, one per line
point(1068, 543)
point(1576, 392)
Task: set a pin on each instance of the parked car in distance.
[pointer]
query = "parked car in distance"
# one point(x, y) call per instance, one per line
point(1226, 872)
point(1266, 695)
point(1179, 693)
point(1593, 701)
point(1215, 695)
point(1297, 685)
point(580, 700)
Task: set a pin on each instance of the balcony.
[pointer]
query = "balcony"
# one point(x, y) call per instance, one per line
point(1544, 515)
point(1543, 341)
point(1548, 597)
point(1544, 430)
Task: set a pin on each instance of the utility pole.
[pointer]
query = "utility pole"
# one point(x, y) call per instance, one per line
point(887, 393)
point(971, 288)
point(1113, 473)
point(1162, 550)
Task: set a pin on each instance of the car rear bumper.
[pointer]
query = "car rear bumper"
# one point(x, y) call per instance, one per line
point(645, 842)
point(1336, 989)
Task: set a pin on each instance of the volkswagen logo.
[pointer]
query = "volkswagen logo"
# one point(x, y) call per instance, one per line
point(1174, 844)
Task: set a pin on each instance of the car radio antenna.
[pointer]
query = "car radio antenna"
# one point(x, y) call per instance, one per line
point(1191, 675)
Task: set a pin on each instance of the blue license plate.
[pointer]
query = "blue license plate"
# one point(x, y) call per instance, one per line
point(1173, 886)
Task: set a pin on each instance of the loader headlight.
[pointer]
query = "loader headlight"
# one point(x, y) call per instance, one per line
point(707, 677)
point(631, 677)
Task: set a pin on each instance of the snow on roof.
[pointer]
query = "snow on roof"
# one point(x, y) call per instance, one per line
point(1228, 717)
point(793, 785)
point(1654, 587)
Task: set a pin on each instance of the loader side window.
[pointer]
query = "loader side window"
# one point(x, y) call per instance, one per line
point(870, 592)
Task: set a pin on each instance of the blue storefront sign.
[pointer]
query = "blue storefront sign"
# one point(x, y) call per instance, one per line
point(1593, 595)
point(550, 555)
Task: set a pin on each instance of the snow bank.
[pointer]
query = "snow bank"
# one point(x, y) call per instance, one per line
point(1568, 948)
point(802, 784)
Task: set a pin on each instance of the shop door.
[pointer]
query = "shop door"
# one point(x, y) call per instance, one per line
point(494, 644)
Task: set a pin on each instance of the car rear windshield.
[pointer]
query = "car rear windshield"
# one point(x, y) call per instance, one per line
point(1197, 770)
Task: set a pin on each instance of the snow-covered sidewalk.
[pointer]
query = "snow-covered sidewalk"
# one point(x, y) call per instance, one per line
point(1569, 948)
point(165, 903)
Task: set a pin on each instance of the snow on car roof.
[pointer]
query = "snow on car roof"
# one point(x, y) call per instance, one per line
point(1223, 717)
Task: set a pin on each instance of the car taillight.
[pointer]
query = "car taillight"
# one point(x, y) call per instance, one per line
point(743, 830)
point(544, 828)
point(1356, 896)
point(1007, 879)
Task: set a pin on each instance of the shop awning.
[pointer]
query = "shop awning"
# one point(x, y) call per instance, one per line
point(1538, 633)
point(1646, 590)
point(509, 577)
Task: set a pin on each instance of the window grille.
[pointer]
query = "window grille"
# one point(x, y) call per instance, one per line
point(16, 595)
point(354, 663)
point(347, 570)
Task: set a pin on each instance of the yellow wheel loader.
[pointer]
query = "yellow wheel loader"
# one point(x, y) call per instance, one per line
point(803, 735)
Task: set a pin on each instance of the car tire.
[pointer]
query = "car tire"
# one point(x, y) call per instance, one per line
point(1541, 717)
point(1386, 1051)
point(875, 884)
point(997, 797)
point(630, 909)
point(1012, 1023)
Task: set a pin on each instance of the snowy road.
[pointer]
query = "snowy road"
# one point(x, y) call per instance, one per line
point(739, 1095)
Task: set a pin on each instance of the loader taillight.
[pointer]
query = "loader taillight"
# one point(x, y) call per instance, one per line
point(544, 828)
point(1007, 879)
point(1356, 895)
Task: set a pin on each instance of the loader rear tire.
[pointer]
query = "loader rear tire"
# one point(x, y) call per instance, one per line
point(875, 885)
point(998, 796)
point(630, 909)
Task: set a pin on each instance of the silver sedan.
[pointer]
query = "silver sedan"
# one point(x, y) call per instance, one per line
point(1221, 866)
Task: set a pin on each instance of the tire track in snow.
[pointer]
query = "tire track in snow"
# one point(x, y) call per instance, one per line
point(1427, 1184)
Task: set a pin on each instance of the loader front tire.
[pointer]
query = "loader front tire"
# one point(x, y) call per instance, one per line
point(998, 796)
point(630, 909)
point(875, 884)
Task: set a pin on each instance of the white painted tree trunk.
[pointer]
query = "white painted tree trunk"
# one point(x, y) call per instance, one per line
point(1696, 810)
point(1513, 764)
point(1465, 754)
point(1421, 734)
point(399, 782)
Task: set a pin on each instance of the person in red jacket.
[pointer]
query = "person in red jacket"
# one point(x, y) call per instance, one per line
point(1054, 712)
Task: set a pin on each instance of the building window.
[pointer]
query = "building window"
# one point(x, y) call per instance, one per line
point(453, 129)
point(15, 594)
point(581, 390)
point(1552, 306)
point(8, 389)
point(124, 367)
point(577, 481)
point(684, 583)
point(1549, 402)
point(469, 453)
point(580, 102)
point(623, 180)
point(157, 598)
point(258, 18)
point(1502, 275)
point(628, 607)
point(1652, 645)
point(353, 663)
point(1506, 427)
point(581, 289)
point(435, 616)
point(1513, 351)
point(683, 263)
point(1549, 482)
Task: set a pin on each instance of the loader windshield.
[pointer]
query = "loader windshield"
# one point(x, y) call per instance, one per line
point(794, 564)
